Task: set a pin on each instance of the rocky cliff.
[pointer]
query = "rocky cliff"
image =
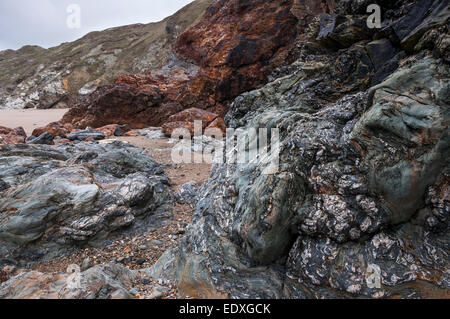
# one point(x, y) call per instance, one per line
point(33, 77)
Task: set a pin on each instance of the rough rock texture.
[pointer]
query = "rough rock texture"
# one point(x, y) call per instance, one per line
point(232, 49)
point(88, 134)
point(59, 199)
point(100, 282)
point(45, 139)
point(55, 128)
point(186, 120)
point(112, 130)
point(12, 136)
point(55, 78)
point(187, 194)
point(361, 194)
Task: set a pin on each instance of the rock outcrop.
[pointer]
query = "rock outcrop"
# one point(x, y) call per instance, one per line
point(59, 199)
point(358, 206)
point(187, 118)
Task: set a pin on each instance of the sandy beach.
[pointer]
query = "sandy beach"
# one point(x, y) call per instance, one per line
point(30, 119)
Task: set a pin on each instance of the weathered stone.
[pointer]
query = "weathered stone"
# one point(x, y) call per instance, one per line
point(187, 194)
point(55, 128)
point(348, 171)
point(404, 135)
point(112, 130)
point(340, 32)
point(45, 138)
point(100, 282)
point(232, 49)
point(218, 124)
point(60, 199)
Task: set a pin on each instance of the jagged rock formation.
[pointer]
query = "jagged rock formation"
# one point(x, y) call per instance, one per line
point(55, 78)
point(359, 206)
point(231, 50)
point(362, 187)
point(55, 200)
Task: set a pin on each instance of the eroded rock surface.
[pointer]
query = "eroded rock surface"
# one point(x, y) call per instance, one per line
point(100, 282)
point(232, 49)
point(12, 136)
point(58, 199)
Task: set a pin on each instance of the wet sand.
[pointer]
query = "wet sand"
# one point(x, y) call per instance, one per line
point(30, 119)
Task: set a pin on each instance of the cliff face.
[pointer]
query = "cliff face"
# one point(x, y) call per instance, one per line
point(231, 50)
point(55, 78)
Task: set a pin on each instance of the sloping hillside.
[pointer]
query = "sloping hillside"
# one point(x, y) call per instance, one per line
point(36, 77)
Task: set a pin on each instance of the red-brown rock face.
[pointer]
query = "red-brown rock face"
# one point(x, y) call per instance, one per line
point(12, 136)
point(55, 128)
point(231, 50)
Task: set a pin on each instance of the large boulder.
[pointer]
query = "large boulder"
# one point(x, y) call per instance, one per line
point(232, 49)
point(59, 199)
point(404, 136)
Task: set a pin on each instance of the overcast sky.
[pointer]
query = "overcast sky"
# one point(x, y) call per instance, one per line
point(44, 22)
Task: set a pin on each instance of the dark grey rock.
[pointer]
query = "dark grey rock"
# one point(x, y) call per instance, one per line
point(86, 264)
point(3, 185)
point(340, 32)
